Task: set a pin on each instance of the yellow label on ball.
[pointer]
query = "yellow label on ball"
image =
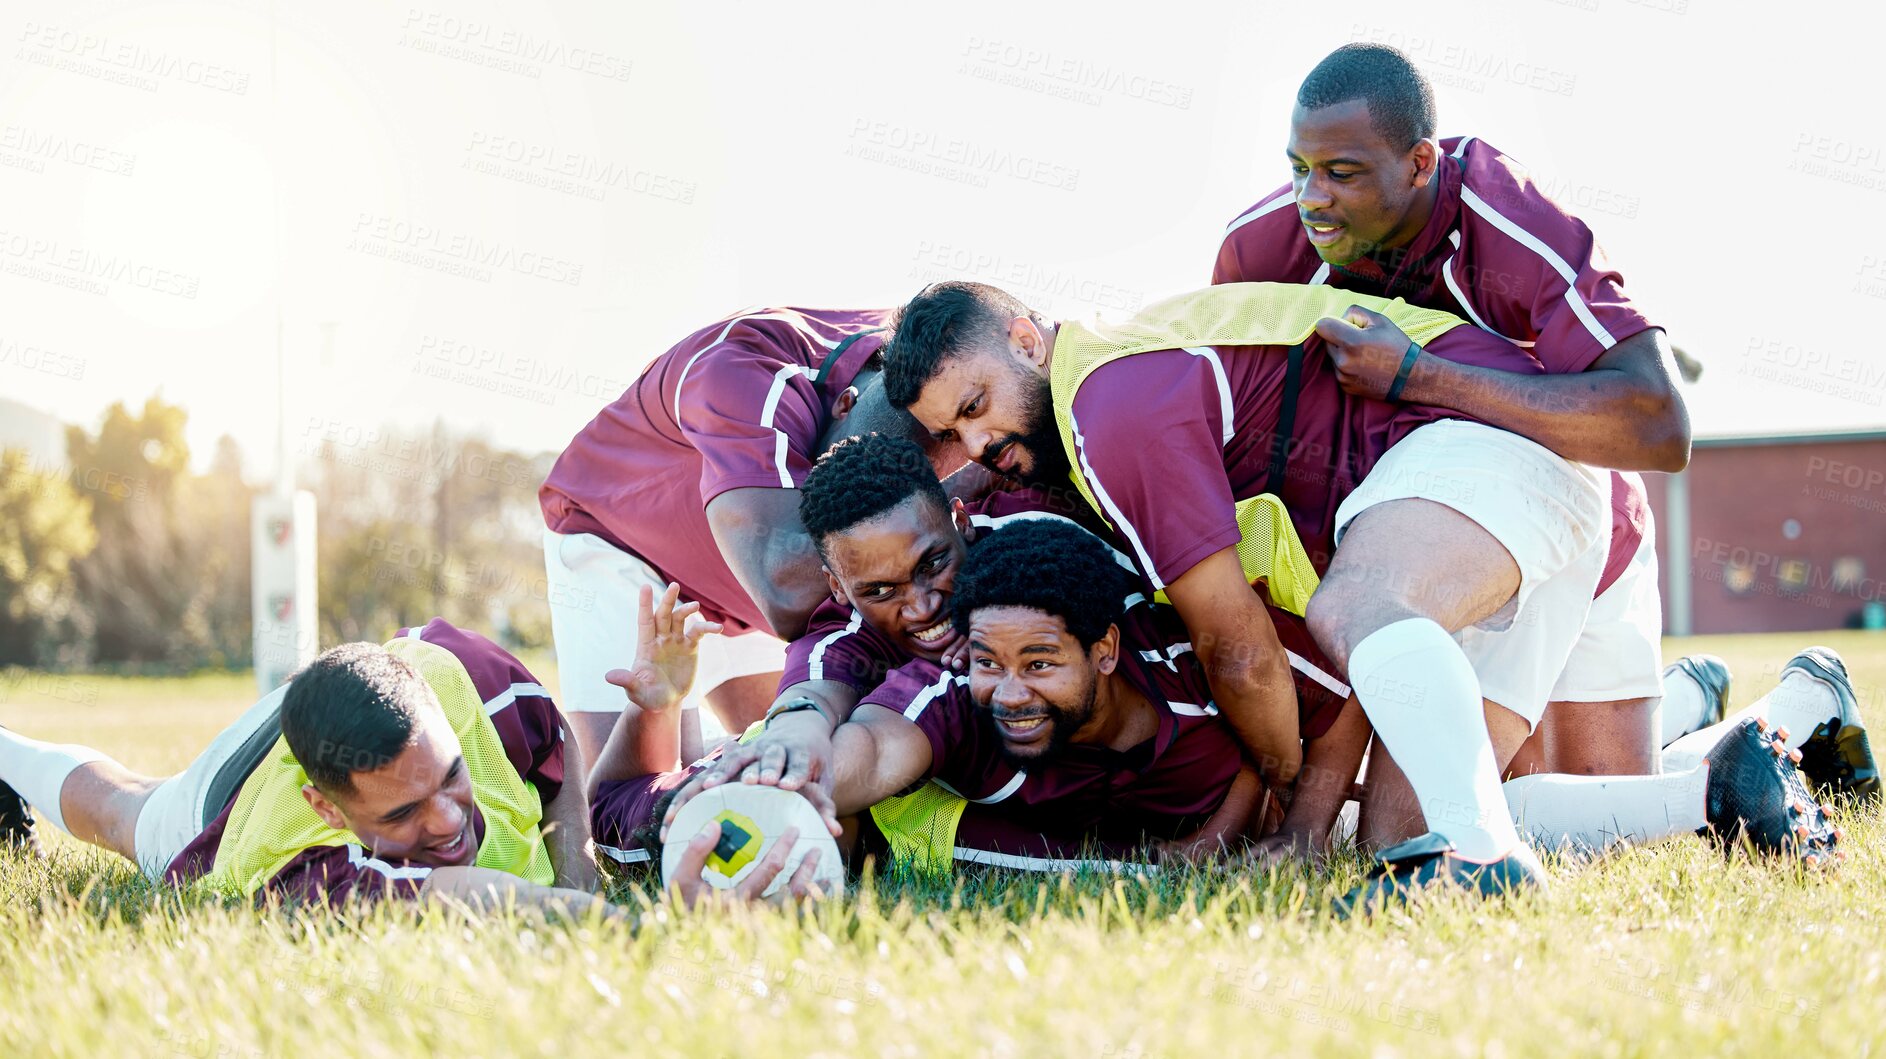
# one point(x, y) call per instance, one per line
point(739, 845)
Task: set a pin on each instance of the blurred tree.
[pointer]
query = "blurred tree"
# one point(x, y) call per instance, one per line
point(45, 526)
point(423, 524)
point(134, 582)
point(168, 582)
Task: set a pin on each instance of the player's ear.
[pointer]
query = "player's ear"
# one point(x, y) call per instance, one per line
point(838, 590)
point(845, 403)
point(1426, 156)
point(324, 807)
point(1106, 651)
point(1026, 340)
point(959, 517)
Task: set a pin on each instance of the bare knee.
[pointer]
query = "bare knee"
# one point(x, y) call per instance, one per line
point(1346, 609)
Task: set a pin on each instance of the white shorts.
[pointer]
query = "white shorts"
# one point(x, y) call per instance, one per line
point(183, 805)
point(1620, 654)
point(594, 592)
point(1551, 515)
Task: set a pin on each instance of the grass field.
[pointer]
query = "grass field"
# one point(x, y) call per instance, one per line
point(1670, 950)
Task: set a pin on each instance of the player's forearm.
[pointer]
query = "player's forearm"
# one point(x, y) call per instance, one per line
point(865, 772)
point(1226, 826)
point(760, 536)
point(566, 839)
point(486, 889)
point(566, 821)
point(1251, 684)
point(1330, 764)
point(1603, 417)
point(642, 743)
point(794, 587)
point(693, 743)
point(786, 578)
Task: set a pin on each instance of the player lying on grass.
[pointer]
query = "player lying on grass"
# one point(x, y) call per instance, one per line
point(1454, 549)
point(1088, 743)
point(432, 767)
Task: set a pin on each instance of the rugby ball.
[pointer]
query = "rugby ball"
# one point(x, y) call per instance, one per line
point(751, 818)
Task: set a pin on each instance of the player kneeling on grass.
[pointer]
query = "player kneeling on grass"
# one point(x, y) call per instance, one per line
point(433, 766)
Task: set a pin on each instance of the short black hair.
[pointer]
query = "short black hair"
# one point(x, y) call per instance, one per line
point(859, 479)
point(1046, 564)
point(943, 320)
point(351, 710)
point(1400, 99)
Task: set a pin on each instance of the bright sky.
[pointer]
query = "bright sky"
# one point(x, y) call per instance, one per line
point(496, 213)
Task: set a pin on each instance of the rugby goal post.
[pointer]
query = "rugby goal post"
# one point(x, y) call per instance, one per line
point(282, 585)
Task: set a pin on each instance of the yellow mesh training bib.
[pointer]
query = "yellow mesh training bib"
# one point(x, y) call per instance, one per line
point(921, 827)
point(271, 823)
point(1230, 314)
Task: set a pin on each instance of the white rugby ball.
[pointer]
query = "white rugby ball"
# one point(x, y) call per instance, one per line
point(751, 818)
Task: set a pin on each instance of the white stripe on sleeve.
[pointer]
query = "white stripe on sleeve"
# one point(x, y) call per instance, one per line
point(771, 408)
point(815, 666)
point(358, 858)
point(1113, 511)
point(509, 695)
point(1225, 408)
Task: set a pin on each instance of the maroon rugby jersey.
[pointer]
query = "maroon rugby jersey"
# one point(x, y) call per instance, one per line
point(623, 807)
point(1497, 252)
point(737, 404)
point(529, 728)
point(1172, 504)
point(1161, 789)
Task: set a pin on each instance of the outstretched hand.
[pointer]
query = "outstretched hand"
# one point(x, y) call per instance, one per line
point(693, 889)
point(666, 649)
point(789, 756)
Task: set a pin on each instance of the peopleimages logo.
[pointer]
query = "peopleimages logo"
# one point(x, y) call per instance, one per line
point(134, 64)
point(1066, 76)
point(903, 146)
point(504, 48)
point(572, 172)
point(454, 253)
point(34, 149)
point(82, 269)
point(1463, 67)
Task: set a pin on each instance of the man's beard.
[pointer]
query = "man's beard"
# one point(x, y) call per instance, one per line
point(1042, 441)
point(1062, 722)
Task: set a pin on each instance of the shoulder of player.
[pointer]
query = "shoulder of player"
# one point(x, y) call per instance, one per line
point(830, 617)
point(918, 687)
point(496, 675)
point(789, 333)
point(1499, 195)
point(1275, 211)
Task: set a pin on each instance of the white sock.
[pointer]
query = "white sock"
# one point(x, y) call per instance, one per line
point(1594, 812)
point(1420, 693)
point(38, 770)
point(1799, 703)
point(1684, 705)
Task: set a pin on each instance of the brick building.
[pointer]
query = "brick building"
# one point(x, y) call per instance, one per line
point(1774, 533)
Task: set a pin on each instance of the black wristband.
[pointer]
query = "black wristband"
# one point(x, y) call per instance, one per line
point(1401, 374)
point(800, 704)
